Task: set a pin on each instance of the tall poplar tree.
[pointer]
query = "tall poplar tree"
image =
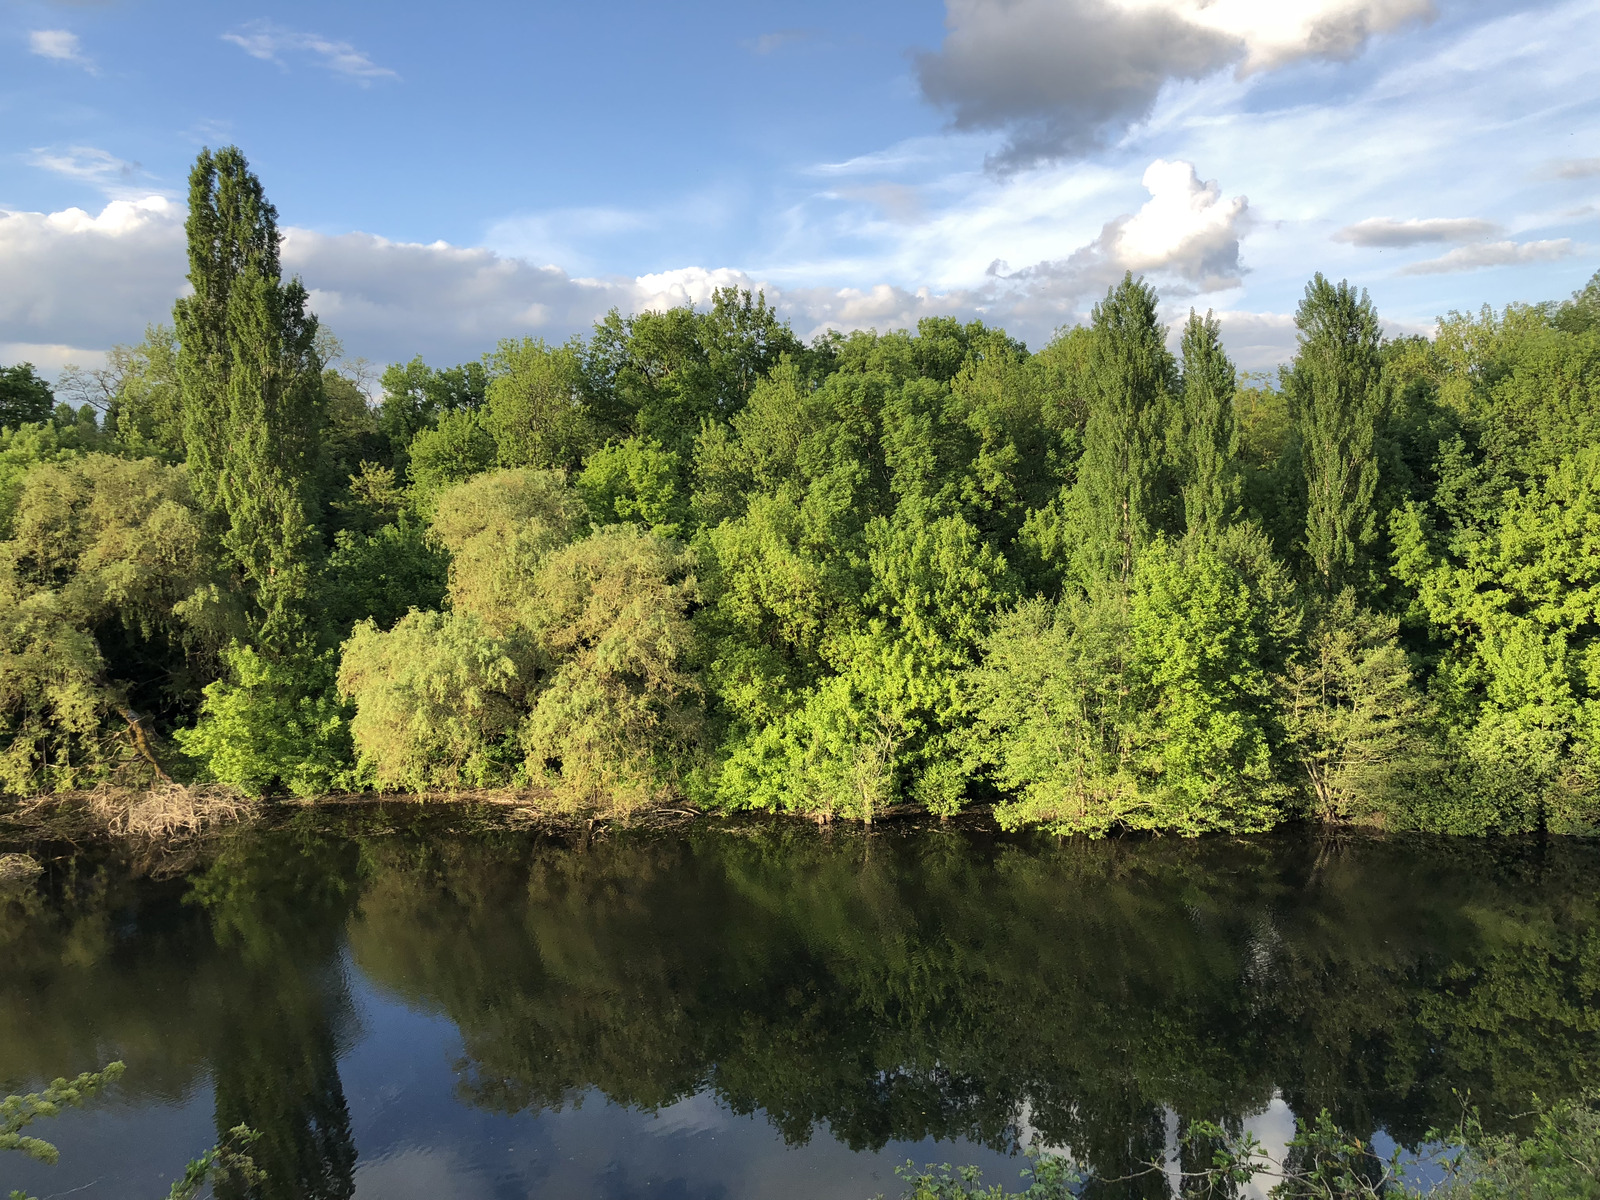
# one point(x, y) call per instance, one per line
point(1335, 402)
point(251, 387)
point(1208, 433)
point(1129, 379)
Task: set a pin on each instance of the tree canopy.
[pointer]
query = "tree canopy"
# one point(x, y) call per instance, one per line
point(1108, 584)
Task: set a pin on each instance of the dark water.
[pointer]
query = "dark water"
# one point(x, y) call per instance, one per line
point(406, 1007)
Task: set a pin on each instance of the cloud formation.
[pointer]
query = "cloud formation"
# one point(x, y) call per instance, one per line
point(89, 281)
point(88, 164)
point(1185, 228)
point(80, 280)
point(1385, 232)
point(1577, 168)
point(61, 45)
point(1061, 77)
point(1186, 236)
point(275, 44)
point(1491, 254)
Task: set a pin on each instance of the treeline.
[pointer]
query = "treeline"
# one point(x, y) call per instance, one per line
point(1101, 586)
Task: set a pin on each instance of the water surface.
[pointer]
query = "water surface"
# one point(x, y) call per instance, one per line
point(413, 1004)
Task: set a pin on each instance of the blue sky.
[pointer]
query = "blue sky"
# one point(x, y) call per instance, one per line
point(448, 176)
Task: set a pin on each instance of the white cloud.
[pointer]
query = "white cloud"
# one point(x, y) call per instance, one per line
point(1061, 77)
point(1275, 33)
point(390, 300)
point(1492, 254)
point(89, 280)
point(1386, 232)
point(91, 165)
point(1186, 228)
point(1185, 237)
point(61, 45)
point(273, 43)
point(1257, 341)
point(49, 359)
point(80, 279)
point(1577, 168)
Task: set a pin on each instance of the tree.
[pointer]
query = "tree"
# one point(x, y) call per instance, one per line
point(438, 700)
point(111, 609)
point(1055, 710)
point(619, 720)
point(536, 412)
point(416, 396)
point(1511, 607)
point(143, 403)
point(1207, 447)
point(1336, 400)
point(1351, 716)
point(251, 385)
point(451, 451)
point(24, 397)
point(1119, 476)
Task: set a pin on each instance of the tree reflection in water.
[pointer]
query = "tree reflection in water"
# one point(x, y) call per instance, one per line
point(902, 984)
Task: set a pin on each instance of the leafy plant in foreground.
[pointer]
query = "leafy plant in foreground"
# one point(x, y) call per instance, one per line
point(228, 1161)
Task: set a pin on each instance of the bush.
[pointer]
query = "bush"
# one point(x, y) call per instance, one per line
point(438, 699)
point(273, 724)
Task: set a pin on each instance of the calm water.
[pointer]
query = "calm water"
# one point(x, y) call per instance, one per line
point(410, 1007)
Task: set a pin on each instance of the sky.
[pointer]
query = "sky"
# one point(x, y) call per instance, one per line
point(448, 176)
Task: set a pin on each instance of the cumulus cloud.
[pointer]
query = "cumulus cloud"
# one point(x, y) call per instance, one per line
point(76, 279)
point(1257, 341)
point(390, 300)
point(86, 280)
point(1186, 235)
point(60, 45)
point(1492, 254)
point(1063, 76)
point(1384, 232)
point(1186, 228)
point(275, 44)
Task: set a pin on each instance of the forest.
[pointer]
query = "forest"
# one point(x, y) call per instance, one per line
point(1110, 585)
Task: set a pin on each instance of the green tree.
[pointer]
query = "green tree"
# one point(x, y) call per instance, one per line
point(1336, 401)
point(1512, 607)
point(24, 397)
point(619, 720)
point(536, 412)
point(1130, 379)
point(456, 448)
point(252, 391)
point(113, 613)
point(637, 481)
point(1352, 717)
point(1207, 449)
point(271, 724)
point(416, 396)
point(438, 700)
point(137, 390)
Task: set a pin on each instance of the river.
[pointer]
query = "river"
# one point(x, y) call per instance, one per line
point(414, 1003)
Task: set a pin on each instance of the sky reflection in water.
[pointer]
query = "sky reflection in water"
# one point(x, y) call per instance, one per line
point(413, 1005)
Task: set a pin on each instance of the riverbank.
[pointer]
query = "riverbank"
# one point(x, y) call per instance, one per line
point(176, 813)
point(181, 812)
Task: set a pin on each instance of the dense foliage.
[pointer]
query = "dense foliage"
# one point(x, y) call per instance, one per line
point(1101, 586)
